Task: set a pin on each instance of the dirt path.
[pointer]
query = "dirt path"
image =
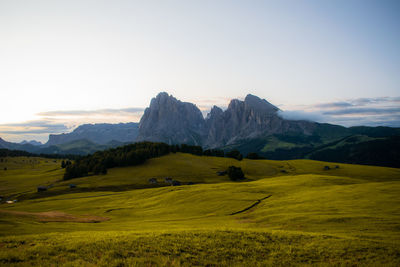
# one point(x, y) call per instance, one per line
point(252, 206)
point(57, 216)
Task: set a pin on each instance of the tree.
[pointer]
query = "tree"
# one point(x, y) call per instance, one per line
point(234, 154)
point(253, 155)
point(103, 169)
point(235, 173)
point(63, 164)
point(97, 169)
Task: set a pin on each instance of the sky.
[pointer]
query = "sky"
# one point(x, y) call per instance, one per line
point(65, 63)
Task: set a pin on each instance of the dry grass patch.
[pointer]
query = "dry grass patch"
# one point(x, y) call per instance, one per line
point(57, 216)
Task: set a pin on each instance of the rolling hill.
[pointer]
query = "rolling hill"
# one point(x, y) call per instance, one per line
point(295, 212)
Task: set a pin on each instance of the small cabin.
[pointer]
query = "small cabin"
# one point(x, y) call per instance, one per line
point(153, 181)
point(41, 188)
point(221, 173)
point(175, 183)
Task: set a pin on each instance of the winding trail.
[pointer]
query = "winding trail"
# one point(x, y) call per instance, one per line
point(252, 206)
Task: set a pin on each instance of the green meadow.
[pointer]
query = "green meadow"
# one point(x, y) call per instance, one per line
point(296, 212)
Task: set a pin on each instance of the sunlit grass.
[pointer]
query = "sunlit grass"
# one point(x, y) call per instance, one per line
point(348, 215)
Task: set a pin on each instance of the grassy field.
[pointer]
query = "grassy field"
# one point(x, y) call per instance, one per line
point(284, 213)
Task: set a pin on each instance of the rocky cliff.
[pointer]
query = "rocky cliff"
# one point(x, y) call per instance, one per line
point(172, 121)
point(249, 119)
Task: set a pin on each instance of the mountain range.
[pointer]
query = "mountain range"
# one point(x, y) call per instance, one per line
point(85, 139)
point(102, 134)
point(251, 125)
point(172, 121)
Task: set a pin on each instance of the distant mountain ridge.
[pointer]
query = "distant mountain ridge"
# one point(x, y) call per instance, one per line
point(85, 139)
point(31, 142)
point(101, 133)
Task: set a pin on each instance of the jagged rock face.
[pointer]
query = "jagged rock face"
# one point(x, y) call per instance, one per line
point(101, 133)
point(251, 118)
point(171, 121)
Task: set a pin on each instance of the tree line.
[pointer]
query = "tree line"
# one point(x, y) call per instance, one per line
point(134, 154)
point(4, 152)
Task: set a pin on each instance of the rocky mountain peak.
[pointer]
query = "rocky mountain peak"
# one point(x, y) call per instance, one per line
point(172, 121)
point(235, 103)
point(261, 105)
point(214, 112)
point(163, 99)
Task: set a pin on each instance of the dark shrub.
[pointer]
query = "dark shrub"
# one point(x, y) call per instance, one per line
point(235, 173)
point(253, 155)
point(41, 188)
point(234, 154)
point(175, 183)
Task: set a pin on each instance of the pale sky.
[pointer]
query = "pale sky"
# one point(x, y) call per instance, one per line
point(63, 63)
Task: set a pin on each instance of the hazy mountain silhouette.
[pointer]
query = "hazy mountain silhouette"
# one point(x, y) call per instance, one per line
point(101, 134)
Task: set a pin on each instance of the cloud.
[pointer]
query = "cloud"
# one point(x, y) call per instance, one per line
point(379, 111)
point(37, 129)
point(40, 126)
point(363, 111)
point(64, 121)
point(334, 105)
point(91, 112)
point(301, 115)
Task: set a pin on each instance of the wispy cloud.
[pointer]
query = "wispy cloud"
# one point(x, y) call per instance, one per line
point(64, 121)
point(37, 129)
point(384, 111)
point(334, 105)
point(112, 112)
point(31, 127)
point(363, 111)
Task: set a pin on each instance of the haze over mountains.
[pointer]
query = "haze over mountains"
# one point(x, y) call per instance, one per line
point(252, 125)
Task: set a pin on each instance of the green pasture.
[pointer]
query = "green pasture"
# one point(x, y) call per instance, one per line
point(285, 213)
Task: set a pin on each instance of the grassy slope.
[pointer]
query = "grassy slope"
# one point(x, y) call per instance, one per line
point(24, 174)
point(349, 215)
